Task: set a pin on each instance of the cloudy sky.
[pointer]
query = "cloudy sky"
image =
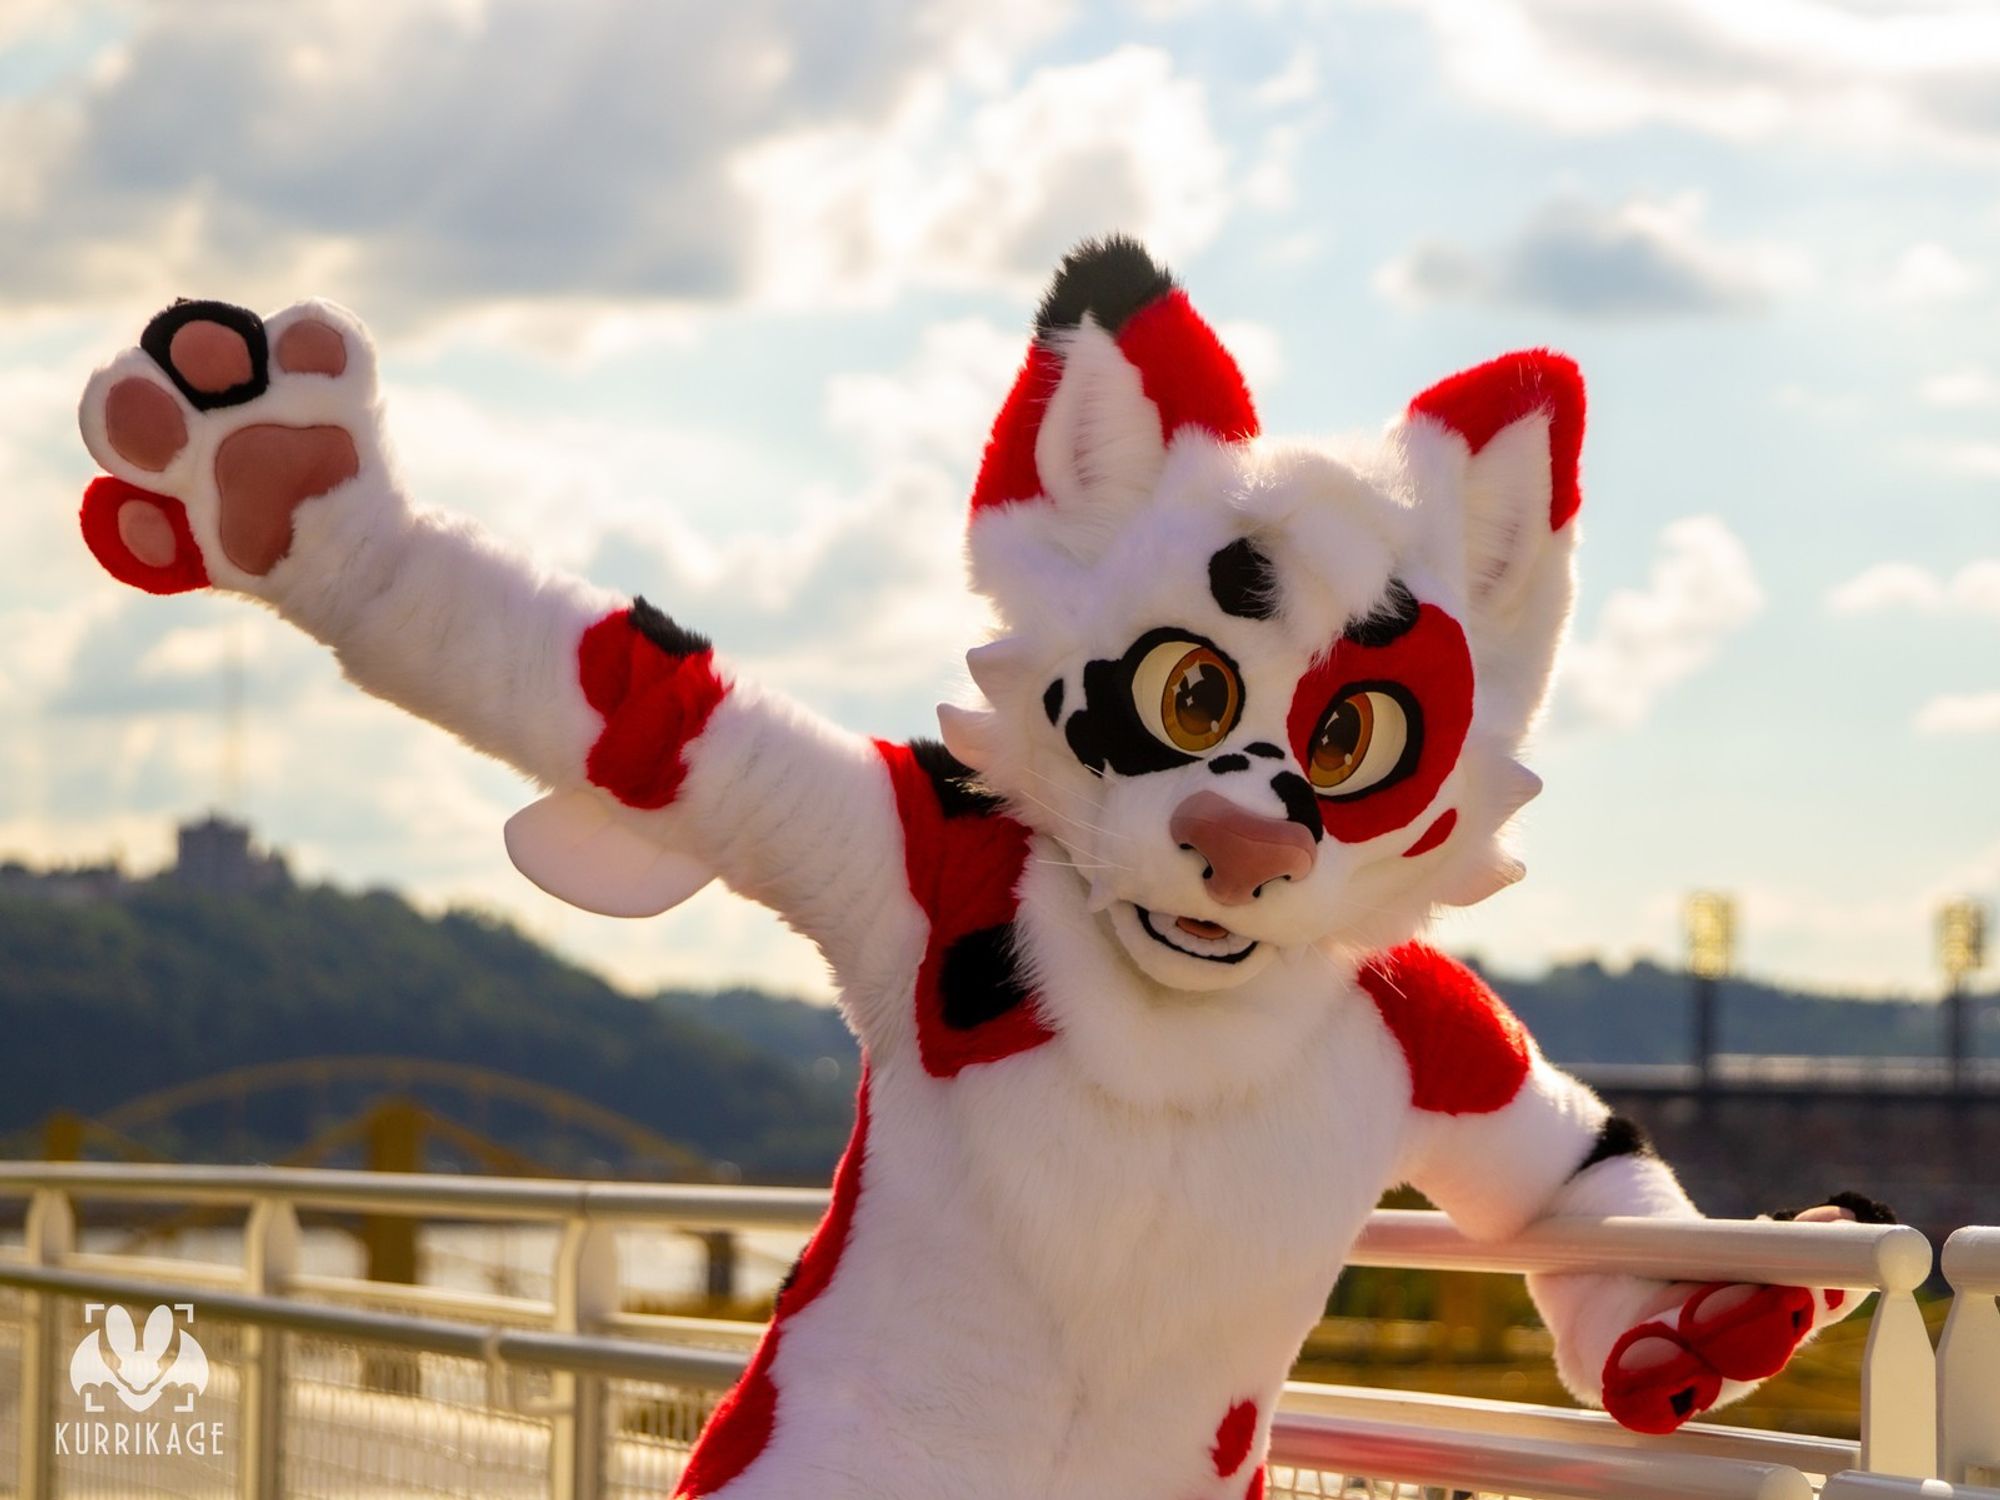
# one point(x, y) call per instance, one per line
point(714, 301)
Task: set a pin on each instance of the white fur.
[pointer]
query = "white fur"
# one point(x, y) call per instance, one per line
point(1064, 1267)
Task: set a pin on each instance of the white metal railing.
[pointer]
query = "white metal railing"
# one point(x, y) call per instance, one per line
point(585, 1349)
point(1969, 1361)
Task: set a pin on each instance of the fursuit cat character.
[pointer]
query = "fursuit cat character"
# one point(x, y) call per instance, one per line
point(1134, 962)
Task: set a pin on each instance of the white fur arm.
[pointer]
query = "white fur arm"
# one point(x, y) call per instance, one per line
point(249, 455)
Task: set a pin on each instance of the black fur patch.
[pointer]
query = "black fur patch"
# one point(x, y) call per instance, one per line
point(1301, 806)
point(952, 782)
point(1865, 1209)
point(1617, 1136)
point(1052, 700)
point(1110, 279)
point(659, 627)
point(980, 980)
point(158, 341)
point(1265, 749)
point(1388, 620)
point(1107, 730)
point(1243, 581)
point(1222, 765)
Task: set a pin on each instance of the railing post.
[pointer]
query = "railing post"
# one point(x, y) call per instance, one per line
point(586, 1291)
point(51, 1234)
point(1898, 1368)
point(270, 1257)
point(1969, 1365)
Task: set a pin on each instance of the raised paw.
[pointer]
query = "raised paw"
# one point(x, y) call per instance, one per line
point(215, 430)
point(1747, 1332)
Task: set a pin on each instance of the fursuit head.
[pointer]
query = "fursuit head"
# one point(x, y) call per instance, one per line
point(1134, 955)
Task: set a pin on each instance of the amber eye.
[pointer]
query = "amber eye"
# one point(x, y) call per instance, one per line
point(1361, 741)
point(1187, 694)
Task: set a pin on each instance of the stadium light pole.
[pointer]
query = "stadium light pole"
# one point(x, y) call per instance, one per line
point(1961, 950)
point(1710, 919)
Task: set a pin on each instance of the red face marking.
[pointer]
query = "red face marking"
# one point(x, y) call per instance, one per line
point(1434, 835)
point(1431, 665)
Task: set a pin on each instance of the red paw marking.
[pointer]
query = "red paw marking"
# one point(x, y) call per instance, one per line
point(1653, 1382)
point(1746, 1332)
point(1467, 1053)
point(1233, 1436)
point(141, 538)
point(1835, 1299)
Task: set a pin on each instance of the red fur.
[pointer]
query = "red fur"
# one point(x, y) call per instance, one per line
point(1256, 1487)
point(1643, 1400)
point(1754, 1339)
point(653, 702)
point(963, 872)
point(1008, 472)
point(1481, 402)
point(741, 1425)
point(1186, 372)
point(102, 501)
point(1434, 835)
point(1233, 1436)
point(1467, 1054)
point(1431, 660)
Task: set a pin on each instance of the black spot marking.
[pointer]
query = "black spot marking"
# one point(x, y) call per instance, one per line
point(791, 1275)
point(1265, 749)
point(1110, 279)
point(1052, 700)
point(1107, 730)
point(952, 781)
point(1222, 765)
point(1301, 806)
point(1617, 1136)
point(1391, 618)
point(981, 978)
point(1682, 1401)
point(659, 627)
point(158, 341)
point(1244, 583)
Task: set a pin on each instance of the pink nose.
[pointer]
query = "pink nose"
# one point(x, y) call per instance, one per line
point(1244, 850)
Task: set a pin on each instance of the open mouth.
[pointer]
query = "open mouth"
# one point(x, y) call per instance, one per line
point(1196, 938)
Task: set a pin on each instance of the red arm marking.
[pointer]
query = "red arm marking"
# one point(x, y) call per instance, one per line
point(963, 866)
point(654, 703)
point(1467, 1053)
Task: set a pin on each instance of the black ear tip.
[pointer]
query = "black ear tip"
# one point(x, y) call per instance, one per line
point(1110, 278)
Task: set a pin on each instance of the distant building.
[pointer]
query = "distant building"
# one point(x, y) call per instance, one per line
point(73, 885)
point(216, 854)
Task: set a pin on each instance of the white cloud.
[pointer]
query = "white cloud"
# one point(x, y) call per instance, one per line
point(1929, 275)
point(426, 158)
point(1973, 590)
point(1966, 386)
point(1829, 72)
point(1702, 590)
point(993, 198)
point(1978, 459)
point(1960, 713)
point(1645, 257)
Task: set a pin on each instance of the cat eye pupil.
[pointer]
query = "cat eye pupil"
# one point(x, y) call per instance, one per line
point(1191, 693)
point(1202, 698)
point(1342, 742)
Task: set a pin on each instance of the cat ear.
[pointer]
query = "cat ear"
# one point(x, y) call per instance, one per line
point(1494, 453)
point(1120, 365)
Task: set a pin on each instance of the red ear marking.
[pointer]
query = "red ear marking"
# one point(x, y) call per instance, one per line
point(1007, 472)
point(1479, 403)
point(1186, 372)
point(1467, 1053)
point(120, 521)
